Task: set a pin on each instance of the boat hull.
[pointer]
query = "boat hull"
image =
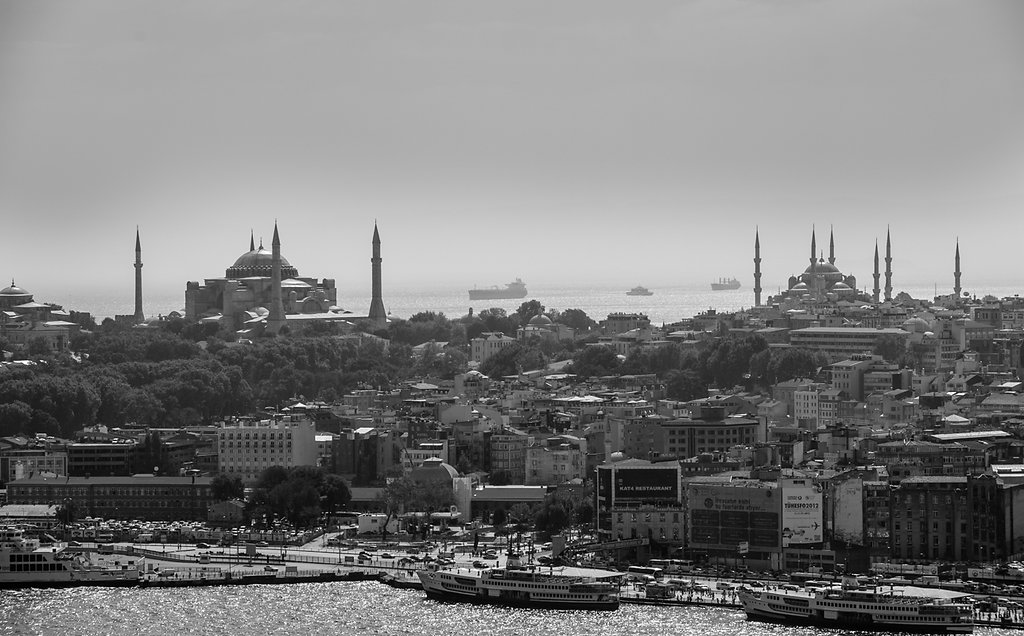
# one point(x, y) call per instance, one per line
point(541, 593)
point(508, 601)
point(9, 581)
point(847, 623)
point(495, 294)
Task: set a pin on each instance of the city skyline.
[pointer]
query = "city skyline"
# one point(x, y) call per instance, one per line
point(577, 143)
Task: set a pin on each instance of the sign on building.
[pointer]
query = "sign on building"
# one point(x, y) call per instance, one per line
point(723, 517)
point(802, 512)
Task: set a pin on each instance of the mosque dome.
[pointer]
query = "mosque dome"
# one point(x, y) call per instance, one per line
point(915, 325)
point(14, 290)
point(259, 262)
point(540, 320)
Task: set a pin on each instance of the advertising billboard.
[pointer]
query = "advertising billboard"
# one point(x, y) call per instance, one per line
point(730, 516)
point(647, 483)
point(802, 511)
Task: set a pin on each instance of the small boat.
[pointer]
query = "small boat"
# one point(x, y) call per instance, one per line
point(639, 290)
point(725, 283)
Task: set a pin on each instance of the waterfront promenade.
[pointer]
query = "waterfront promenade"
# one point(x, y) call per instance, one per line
point(183, 565)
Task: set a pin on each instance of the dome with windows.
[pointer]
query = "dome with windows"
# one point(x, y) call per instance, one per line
point(259, 262)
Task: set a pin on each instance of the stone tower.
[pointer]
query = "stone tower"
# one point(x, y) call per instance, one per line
point(139, 316)
point(876, 292)
point(378, 316)
point(276, 318)
point(956, 274)
point(757, 268)
point(888, 266)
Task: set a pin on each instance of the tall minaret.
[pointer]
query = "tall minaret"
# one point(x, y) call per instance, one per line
point(757, 268)
point(831, 247)
point(888, 266)
point(276, 318)
point(378, 316)
point(814, 250)
point(956, 274)
point(877, 291)
point(252, 241)
point(139, 316)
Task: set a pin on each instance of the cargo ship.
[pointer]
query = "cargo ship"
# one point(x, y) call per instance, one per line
point(725, 283)
point(515, 289)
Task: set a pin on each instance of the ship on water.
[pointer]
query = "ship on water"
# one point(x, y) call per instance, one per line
point(725, 283)
point(25, 562)
point(639, 290)
point(515, 289)
point(519, 585)
point(860, 607)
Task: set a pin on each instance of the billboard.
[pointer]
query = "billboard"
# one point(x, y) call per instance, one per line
point(802, 512)
point(647, 483)
point(728, 516)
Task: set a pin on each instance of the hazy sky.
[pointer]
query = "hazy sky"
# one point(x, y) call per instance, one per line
point(565, 141)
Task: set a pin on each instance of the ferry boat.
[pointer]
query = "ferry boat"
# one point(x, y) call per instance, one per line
point(639, 290)
point(725, 283)
point(850, 606)
point(24, 562)
point(525, 586)
point(515, 289)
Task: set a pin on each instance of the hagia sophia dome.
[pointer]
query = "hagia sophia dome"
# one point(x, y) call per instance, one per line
point(259, 261)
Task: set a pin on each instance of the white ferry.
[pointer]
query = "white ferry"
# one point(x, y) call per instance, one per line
point(895, 608)
point(525, 586)
point(24, 562)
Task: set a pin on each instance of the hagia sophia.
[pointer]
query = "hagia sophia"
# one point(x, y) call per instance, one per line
point(262, 290)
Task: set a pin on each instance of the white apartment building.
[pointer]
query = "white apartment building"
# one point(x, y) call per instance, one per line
point(488, 344)
point(248, 447)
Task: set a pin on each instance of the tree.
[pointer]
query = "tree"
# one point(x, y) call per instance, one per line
point(66, 513)
point(597, 360)
point(15, 418)
point(684, 385)
point(393, 499)
point(577, 319)
point(225, 488)
point(499, 518)
point(528, 310)
point(335, 493)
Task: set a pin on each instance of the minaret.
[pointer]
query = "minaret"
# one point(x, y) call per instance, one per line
point(757, 268)
point(831, 247)
point(888, 266)
point(877, 291)
point(252, 241)
point(276, 319)
point(956, 274)
point(814, 250)
point(378, 316)
point(139, 316)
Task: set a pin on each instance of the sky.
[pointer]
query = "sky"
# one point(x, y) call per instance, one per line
point(579, 141)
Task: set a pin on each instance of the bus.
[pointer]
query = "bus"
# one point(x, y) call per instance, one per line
point(672, 566)
point(641, 571)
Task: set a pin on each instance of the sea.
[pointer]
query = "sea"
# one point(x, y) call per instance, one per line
point(342, 608)
point(667, 304)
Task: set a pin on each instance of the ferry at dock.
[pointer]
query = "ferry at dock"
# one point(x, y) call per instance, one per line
point(25, 562)
point(525, 586)
point(851, 606)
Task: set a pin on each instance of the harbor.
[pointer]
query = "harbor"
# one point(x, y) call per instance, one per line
point(188, 566)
